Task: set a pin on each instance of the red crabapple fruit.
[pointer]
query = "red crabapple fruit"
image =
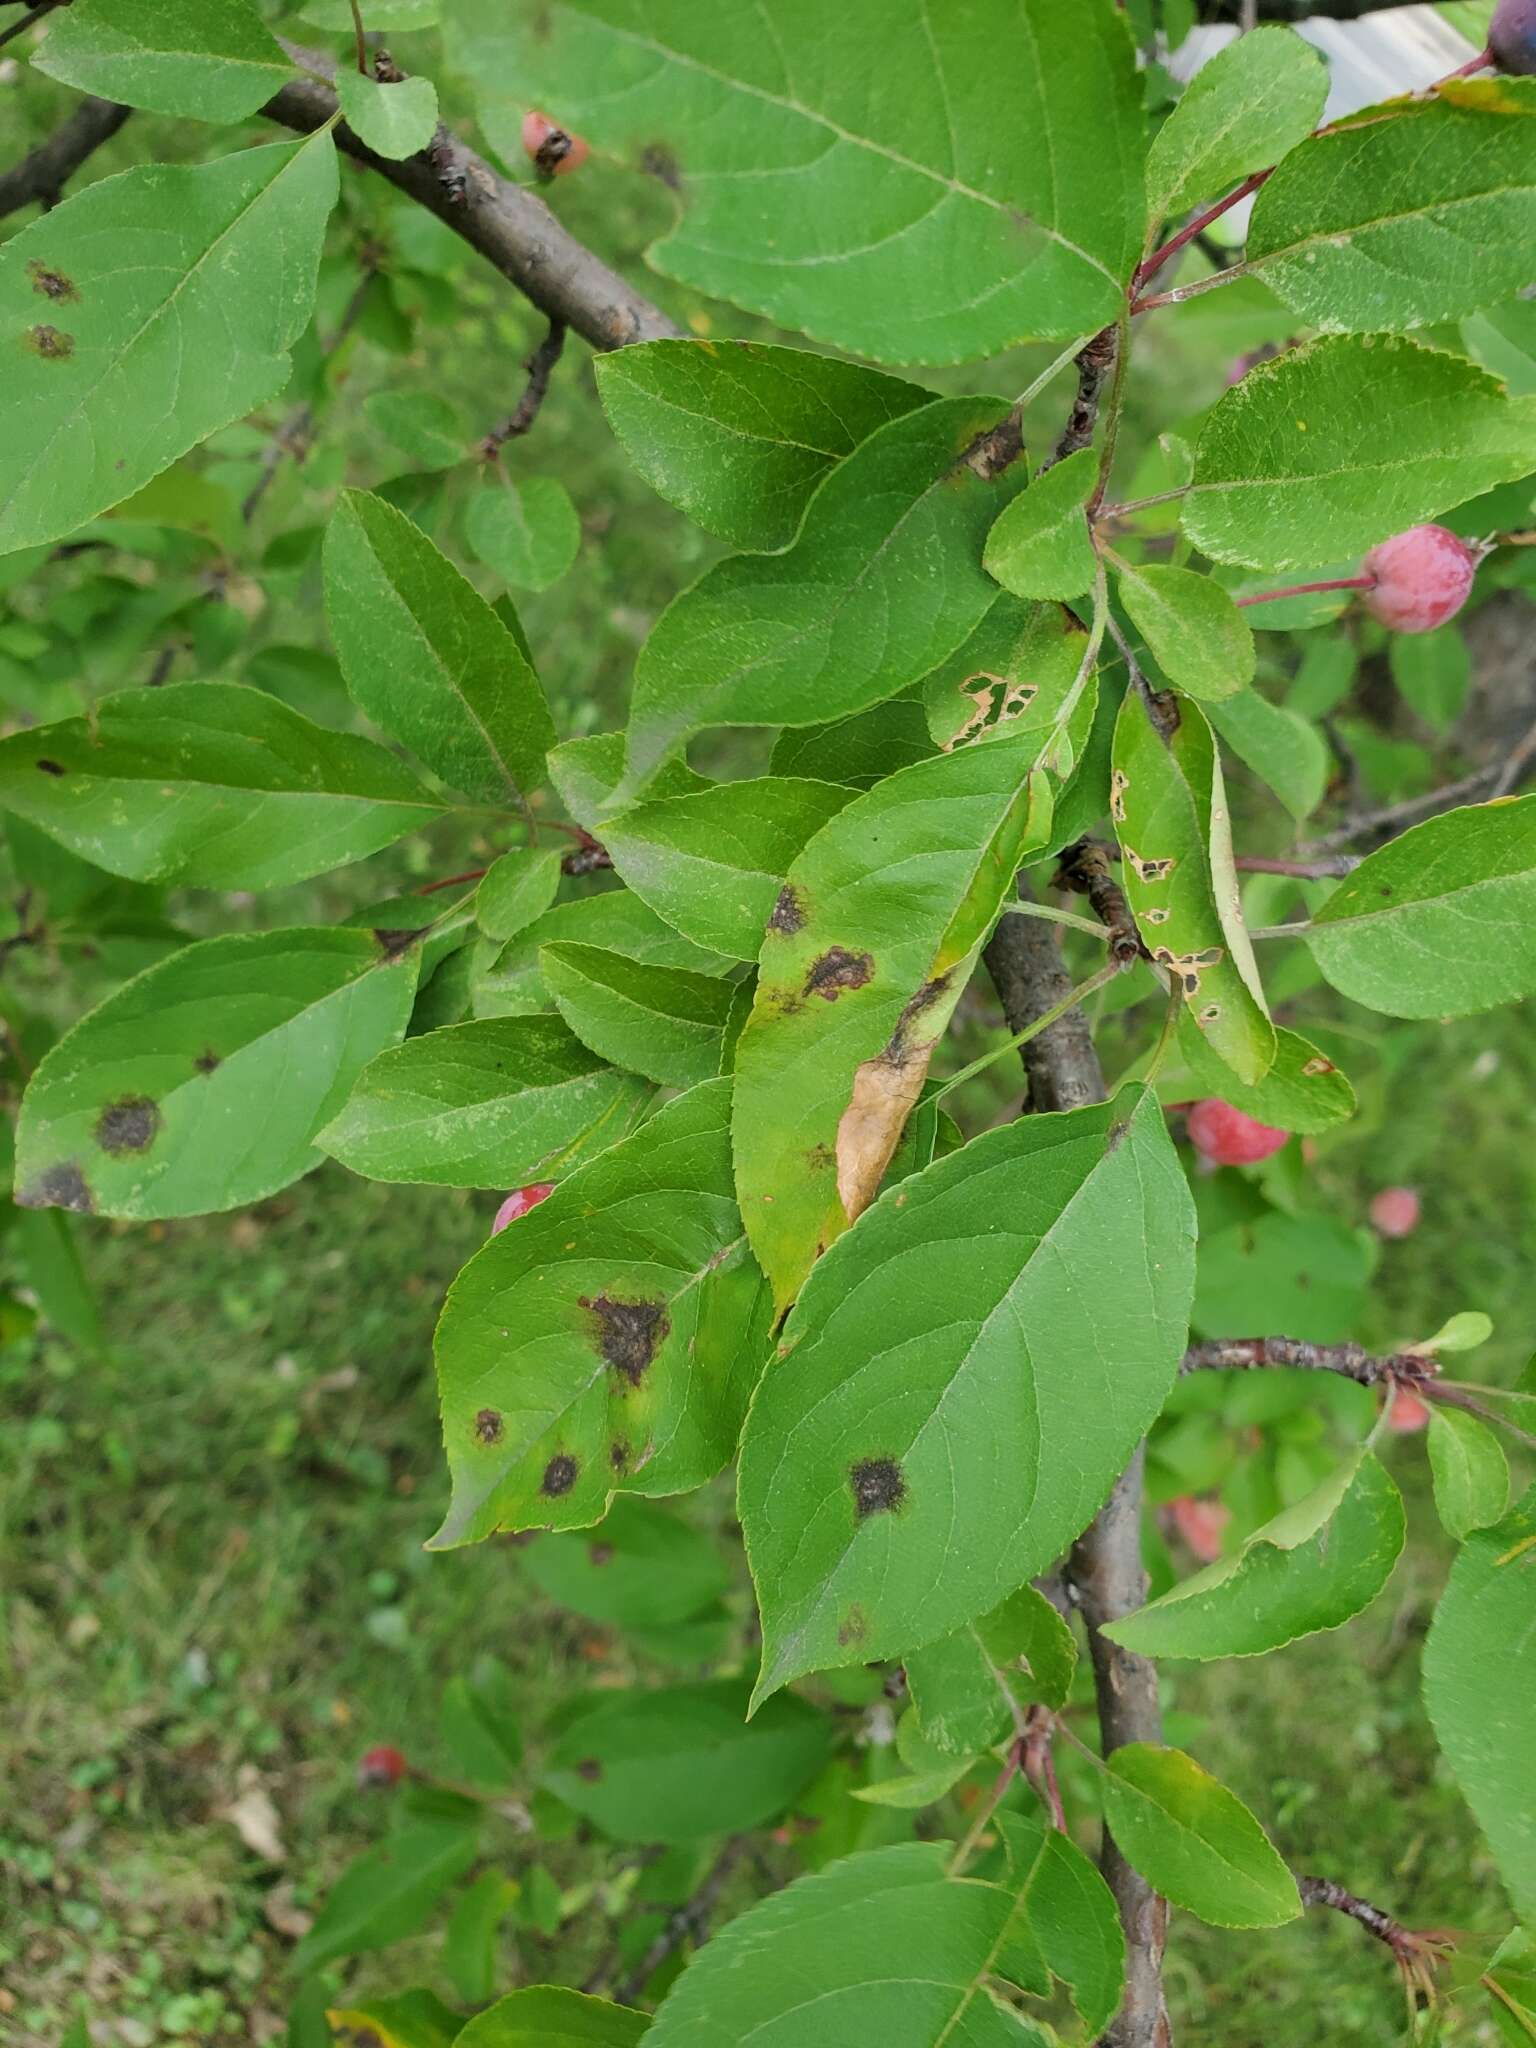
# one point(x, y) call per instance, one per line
point(1407, 1413)
point(1395, 1212)
point(1422, 578)
point(382, 1765)
point(554, 150)
point(1512, 36)
point(1200, 1523)
point(1227, 1137)
point(520, 1201)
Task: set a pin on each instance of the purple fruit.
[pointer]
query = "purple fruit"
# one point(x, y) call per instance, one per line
point(1512, 38)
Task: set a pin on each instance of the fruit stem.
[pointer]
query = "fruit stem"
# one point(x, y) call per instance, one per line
point(1307, 589)
point(359, 38)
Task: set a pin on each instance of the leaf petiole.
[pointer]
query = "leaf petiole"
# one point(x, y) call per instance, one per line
point(1070, 1001)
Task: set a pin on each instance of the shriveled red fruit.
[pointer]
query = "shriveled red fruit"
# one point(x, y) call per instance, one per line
point(1200, 1523)
point(1395, 1212)
point(520, 1201)
point(1512, 36)
point(554, 150)
point(1229, 1137)
point(1407, 1413)
point(382, 1765)
point(1423, 578)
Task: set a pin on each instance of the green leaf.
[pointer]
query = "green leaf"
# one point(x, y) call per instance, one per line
point(1169, 804)
point(416, 2019)
point(425, 426)
point(427, 658)
point(1464, 1331)
point(1306, 1274)
point(713, 863)
point(549, 2016)
point(1069, 1915)
point(1471, 1472)
point(471, 1944)
point(382, 14)
point(144, 314)
point(1441, 922)
point(968, 1416)
point(210, 785)
point(1312, 1567)
point(859, 750)
point(662, 1022)
point(878, 1946)
point(1434, 673)
point(1404, 216)
point(200, 1084)
point(676, 1765)
point(479, 1729)
point(1196, 634)
point(1017, 674)
point(738, 434)
point(1479, 1680)
point(495, 1103)
point(828, 180)
point(211, 60)
point(1193, 1840)
point(865, 956)
point(1041, 544)
point(45, 1247)
point(395, 120)
point(961, 1684)
point(516, 889)
point(588, 771)
point(642, 1568)
point(610, 1340)
point(1333, 446)
point(513, 985)
point(1281, 748)
point(525, 531)
point(389, 1892)
point(1303, 1091)
point(883, 582)
point(1253, 102)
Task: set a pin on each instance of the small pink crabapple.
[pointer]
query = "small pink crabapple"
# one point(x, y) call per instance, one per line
point(1395, 1212)
point(520, 1201)
point(382, 1765)
point(1512, 36)
point(1228, 1137)
point(1200, 1523)
point(554, 150)
point(1407, 1413)
point(1420, 578)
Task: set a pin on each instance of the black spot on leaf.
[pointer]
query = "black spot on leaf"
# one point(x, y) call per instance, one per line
point(589, 1770)
point(559, 1475)
point(599, 1554)
point(836, 970)
point(788, 912)
point(657, 161)
point(878, 1487)
point(618, 1456)
point(629, 1333)
point(53, 284)
point(393, 943)
point(207, 1062)
point(130, 1125)
point(51, 768)
point(488, 1426)
point(51, 344)
point(58, 1187)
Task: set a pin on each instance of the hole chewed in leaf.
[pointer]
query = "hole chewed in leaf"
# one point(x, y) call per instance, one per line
point(488, 1426)
point(999, 701)
point(838, 969)
point(559, 1475)
point(629, 1333)
point(878, 1486)
point(58, 1187)
point(130, 1125)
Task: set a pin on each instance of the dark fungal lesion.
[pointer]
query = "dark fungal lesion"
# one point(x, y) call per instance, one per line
point(128, 1125)
point(836, 970)
point(788, 914)
point(878, 1486)
point(50, 283)
point(629, 1333)
point(488, 1426)
point(560, 1475)
point(62, 1186)
point(51, 343)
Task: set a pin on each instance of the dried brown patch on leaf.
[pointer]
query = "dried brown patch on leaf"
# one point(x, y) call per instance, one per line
point(999, 701)
point(885, 1092)
point(58, 1187)
point(52, 284)
point(51, 343)
point(788, 914)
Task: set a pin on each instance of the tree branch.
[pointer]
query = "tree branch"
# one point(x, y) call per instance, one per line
point(42, 174)
point(509, 225)
point(1416, 1955)
point(540, 367)
point(1105, 1570)
point(1095, 365)
point(1352, 1361)
point(689, 1920)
